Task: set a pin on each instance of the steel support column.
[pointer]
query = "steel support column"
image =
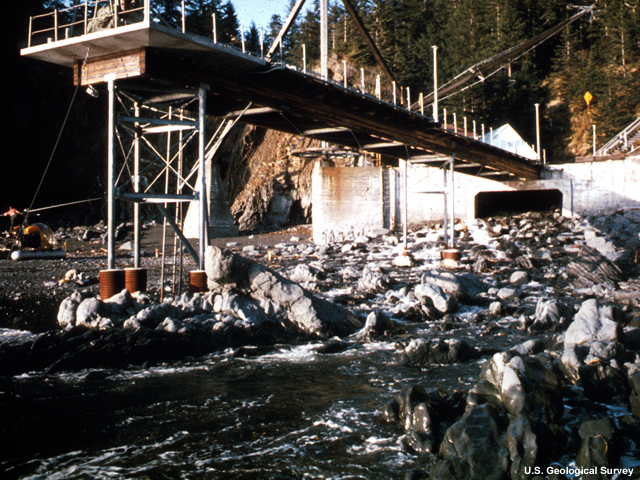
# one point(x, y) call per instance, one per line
point(405, 213)
point(136, 189)
point(204, 235)
point(452, 200)
point(445, 219)
point(111, 178)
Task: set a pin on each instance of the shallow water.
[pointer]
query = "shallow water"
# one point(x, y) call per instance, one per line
point(289, 414)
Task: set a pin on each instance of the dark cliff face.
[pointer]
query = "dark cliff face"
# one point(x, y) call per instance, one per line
point(268, 187)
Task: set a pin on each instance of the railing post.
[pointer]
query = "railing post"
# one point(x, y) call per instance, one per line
point(215, 33)
point(344, 67)
point(30, 31)
point(115, 14)
point(147, 11)
point(55, 25)
point(86, 15)
point(184, 22)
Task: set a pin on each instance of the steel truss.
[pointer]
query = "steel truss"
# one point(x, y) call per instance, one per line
point(147, 174)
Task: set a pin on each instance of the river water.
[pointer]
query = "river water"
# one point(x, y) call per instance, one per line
point(289, 413)
point(292, 413)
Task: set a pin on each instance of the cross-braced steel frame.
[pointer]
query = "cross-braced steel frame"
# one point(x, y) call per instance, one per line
point(147, 173)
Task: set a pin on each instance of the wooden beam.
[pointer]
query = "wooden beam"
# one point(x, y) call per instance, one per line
point(122, 65)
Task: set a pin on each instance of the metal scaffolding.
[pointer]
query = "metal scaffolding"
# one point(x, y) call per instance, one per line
point(133, 120)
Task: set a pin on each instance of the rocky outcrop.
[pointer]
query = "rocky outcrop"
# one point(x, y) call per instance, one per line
point(269, 187)
point(593, 353)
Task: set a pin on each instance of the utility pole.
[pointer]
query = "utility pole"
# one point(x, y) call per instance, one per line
point(435, 83)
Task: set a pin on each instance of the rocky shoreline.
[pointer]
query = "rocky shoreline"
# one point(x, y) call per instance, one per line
point(542, 308)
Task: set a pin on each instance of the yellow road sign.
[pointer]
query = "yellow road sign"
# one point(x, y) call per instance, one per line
point(588, 97)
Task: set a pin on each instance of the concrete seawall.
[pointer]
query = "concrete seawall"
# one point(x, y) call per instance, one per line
point(350, 200)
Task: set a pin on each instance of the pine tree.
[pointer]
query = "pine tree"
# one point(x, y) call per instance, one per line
point(252, 38)
point(228, 27)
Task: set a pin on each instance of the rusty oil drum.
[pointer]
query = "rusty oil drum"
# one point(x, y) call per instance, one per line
point(111, 283)
point(198, 281)
point(135, 279)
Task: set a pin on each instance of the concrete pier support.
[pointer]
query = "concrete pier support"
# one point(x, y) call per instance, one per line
point(219, 217)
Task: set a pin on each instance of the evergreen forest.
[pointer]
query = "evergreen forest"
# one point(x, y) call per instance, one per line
point(599, 54)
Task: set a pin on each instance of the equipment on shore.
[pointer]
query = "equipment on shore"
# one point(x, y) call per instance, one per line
point(36, 241)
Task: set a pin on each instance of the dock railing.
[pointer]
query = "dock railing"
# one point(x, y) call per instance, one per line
point(85, 17)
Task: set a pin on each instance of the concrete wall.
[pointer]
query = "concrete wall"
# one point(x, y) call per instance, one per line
point(600, 188)
point(348, 201)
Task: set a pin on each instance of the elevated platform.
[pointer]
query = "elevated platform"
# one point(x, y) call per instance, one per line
point(152, 57)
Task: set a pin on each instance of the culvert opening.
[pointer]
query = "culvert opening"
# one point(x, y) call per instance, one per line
point(491, 204)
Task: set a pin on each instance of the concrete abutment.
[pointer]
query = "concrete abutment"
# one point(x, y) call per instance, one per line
point(348, 201)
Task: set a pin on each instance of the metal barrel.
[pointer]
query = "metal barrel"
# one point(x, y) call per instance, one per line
point(451, 254)
point(198, 281)
point(135, 279)
point(112, 282)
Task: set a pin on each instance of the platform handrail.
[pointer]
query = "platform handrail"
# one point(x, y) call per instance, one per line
point(57, 19)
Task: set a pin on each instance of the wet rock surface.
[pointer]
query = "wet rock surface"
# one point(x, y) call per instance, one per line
point(540, 315)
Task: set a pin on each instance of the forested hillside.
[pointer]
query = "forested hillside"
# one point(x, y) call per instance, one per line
point(600, 54)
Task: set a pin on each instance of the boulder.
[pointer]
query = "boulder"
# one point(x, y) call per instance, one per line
point(423, 352)
point(547, 315)
point(591, 268)
point(433, 295)
point(224, 267)
point(474, 448)
point(67, 311)
point(463, 287)
point(306, 313)
point(593, 355)
point(303, 273)
point(376, 326)
point(373, 281)
point(596, 449)
point(88, 313)
point(507, 293)
point(592, 322)
point(519, 278)
point(521, 385)
point(522, 443)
